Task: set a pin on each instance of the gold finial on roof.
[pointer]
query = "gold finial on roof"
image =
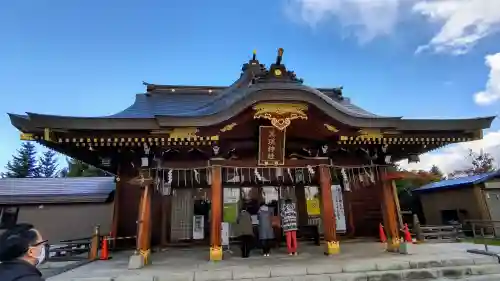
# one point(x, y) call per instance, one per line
point(254, 54)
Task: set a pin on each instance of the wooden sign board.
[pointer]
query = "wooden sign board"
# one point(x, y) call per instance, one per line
point(271, 146)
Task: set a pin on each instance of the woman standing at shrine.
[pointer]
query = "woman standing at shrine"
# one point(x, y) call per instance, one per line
point(245, 232)
point(289, 224)
point(266, 231)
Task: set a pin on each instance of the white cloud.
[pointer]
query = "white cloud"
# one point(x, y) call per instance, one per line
point(453, 157)
point(367, 18)
point(461, 23)
point(492, 92)
point(464, 23)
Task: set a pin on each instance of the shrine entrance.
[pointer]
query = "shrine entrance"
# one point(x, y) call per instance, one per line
point(354, 192)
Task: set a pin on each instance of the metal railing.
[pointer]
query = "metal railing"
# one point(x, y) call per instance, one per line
point(68, 250)
point(86, 248)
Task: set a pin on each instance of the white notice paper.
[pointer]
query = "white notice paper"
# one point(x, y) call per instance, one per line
point(338, 202)
point(198, 227)
point(224, 234)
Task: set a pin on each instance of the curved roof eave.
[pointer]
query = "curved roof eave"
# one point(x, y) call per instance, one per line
point(21, 122)
point(226, 106)
point(446, 124)
point(87, 123)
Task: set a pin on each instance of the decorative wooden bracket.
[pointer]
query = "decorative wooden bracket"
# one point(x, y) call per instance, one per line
point(48, 135)
point(27, 137)
point(331, 128)
point(280, 114)
point(369, 134)
point(228, 127)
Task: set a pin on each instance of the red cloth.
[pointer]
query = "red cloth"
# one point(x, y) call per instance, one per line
point(291, 241)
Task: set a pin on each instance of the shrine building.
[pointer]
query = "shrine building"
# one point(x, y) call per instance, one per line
point(187, 158)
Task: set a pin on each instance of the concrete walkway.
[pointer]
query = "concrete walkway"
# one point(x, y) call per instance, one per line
point(358, 261)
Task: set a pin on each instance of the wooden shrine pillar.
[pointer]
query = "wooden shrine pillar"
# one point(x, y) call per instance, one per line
point(300, 195)
point(216, 214)
point(144, 225)
point(389, 211)
point(327, 211)
point(116, 209)
point(166, 213)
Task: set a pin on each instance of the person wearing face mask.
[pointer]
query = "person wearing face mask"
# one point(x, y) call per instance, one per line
point(22, 249)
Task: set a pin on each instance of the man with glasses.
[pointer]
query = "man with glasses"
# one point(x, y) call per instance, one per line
point(22, 249)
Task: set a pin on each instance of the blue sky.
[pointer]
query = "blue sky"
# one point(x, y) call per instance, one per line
point(88, 58)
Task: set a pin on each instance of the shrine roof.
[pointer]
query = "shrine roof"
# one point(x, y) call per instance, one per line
point(168, 105)
point(189, 104)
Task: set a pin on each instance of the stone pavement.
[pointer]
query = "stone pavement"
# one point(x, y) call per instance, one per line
point(53, 268)
point(358, 261)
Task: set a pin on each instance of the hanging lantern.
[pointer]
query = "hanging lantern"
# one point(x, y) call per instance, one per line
point(299, 175)
point(388, 159)
point(413, 158)
point(144, 161)
point(279, 172)
point(106, 162)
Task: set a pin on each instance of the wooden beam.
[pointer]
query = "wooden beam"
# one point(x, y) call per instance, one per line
point(216, 214)
point(327, 211)
point(144, 225)
point(252, 163)
point(389, 211)
point(396, 200)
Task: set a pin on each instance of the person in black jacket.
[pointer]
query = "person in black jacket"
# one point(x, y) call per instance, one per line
point(22, 249)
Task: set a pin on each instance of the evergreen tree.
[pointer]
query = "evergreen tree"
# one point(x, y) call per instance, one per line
point(77, 168)
point(47, 164)
point(23, 164)
point(436, 171)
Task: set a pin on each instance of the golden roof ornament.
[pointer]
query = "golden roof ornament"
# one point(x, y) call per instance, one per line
point(280, 56)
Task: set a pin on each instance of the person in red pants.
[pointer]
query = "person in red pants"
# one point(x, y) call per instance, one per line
point(289, 225)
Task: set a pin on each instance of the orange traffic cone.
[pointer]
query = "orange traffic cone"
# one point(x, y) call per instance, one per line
point(381, 231)
point(407, 234)
point(104, 249)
